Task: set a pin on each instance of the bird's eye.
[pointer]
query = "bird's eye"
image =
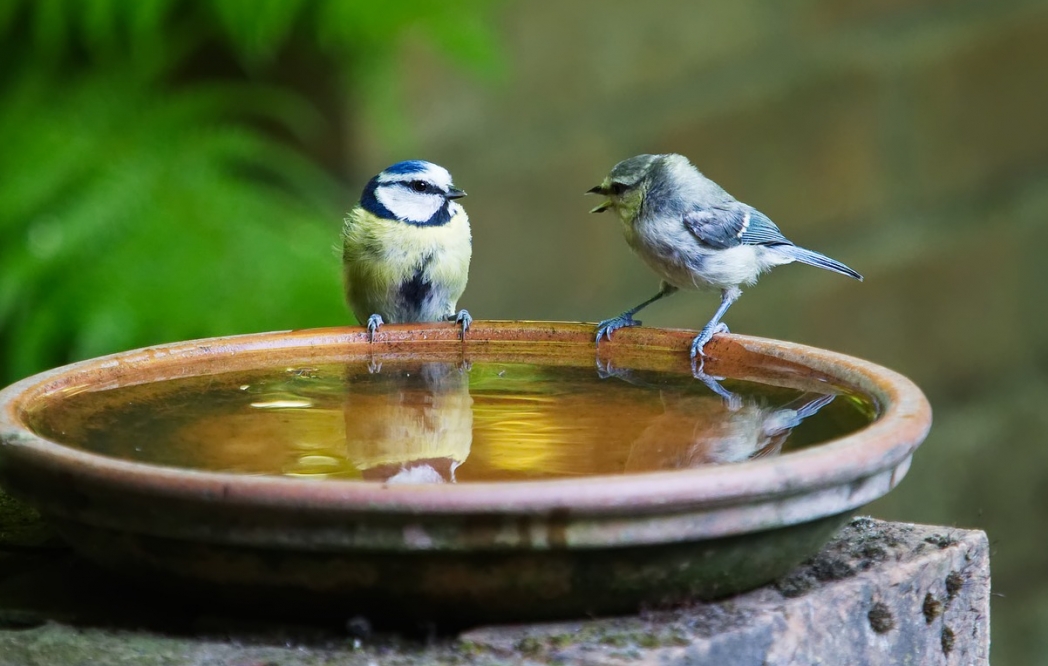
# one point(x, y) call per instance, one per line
point(617, 188)
point(418, 185)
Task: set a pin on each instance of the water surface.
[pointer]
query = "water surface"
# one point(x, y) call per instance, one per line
point(434, 422)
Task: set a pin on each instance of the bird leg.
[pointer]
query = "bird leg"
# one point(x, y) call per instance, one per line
point(374, 322)
point(624, 320)
point(728, 296)
point(463, 319)
point(732, 400)
point(374, 367)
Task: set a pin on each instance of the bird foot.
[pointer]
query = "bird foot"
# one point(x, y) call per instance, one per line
point(605, 369)
point(732, 400)
point(704, 336)
point(609, 326)
point(374, 322)
point(463, 319)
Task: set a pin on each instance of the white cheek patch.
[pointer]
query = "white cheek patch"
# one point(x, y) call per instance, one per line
point(409, 205)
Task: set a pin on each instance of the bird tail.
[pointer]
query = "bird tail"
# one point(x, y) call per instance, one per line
point(810, 407)
point(815, 259)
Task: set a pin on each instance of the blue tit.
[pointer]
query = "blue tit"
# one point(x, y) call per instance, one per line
point(694, 235)
point(406, 248)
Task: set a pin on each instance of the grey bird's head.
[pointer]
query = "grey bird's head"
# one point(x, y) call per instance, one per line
point(632, 179)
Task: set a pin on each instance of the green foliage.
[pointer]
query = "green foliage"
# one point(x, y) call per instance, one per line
point(126, 221)
point(140, 203)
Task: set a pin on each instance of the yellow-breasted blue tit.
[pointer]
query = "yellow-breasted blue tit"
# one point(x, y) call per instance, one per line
point(694, 235)
point(406, 248)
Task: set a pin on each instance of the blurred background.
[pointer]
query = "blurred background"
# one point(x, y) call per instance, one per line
point(173, 169)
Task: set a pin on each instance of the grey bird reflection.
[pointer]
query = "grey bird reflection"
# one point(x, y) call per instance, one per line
point(413, 423)
point(727, 427)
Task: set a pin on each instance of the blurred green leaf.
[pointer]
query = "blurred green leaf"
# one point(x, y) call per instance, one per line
point(100, 21)
point(459, 29)
point(465, 35)
point(50, 27)
point(8, 11)
point(147, 198)
point(257, 27)
point(137, 223)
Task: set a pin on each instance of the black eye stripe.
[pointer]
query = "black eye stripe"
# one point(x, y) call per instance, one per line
point(420, 186)
point(617, 188)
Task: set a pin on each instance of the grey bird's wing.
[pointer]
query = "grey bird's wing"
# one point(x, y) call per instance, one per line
point(729, 226)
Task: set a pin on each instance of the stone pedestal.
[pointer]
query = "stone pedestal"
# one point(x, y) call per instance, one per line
point(879, 593)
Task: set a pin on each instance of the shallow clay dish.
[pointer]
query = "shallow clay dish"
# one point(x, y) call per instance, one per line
point(473, 551)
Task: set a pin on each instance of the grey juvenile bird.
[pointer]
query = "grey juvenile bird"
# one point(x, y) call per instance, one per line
point(694, 235)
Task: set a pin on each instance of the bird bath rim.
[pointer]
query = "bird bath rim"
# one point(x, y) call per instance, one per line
point(706, 502)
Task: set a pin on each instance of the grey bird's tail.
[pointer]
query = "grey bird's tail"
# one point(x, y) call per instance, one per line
point(815, 259)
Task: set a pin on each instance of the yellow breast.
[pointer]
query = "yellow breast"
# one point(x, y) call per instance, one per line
point(379, 255)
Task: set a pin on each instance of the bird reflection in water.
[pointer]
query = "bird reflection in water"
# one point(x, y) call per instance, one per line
point(727, 427)
point(412, 424)
point(420, 423)
point(434, 422)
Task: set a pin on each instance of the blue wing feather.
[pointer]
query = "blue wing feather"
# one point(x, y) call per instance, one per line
point(739, 224)
point(762, 231)
point(726, 227)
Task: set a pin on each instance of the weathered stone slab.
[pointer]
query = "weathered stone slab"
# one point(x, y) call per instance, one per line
point(879, 593)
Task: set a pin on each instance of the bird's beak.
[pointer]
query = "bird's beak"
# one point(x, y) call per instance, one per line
point(599, 189)
point(454, 193)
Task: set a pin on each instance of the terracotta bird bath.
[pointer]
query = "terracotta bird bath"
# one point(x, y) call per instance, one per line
point(419, 536)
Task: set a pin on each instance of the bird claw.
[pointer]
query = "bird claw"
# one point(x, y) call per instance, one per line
point(698, 364)
point(374, 322)
point(732, 400)
point(607, 370)
point(609, 326)
point(464, 320)
point(704, 336)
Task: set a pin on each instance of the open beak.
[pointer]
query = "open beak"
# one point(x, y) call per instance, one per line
point(599, 189)
point(454, 193)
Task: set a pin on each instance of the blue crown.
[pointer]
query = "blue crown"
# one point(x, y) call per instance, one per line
point(408, 166)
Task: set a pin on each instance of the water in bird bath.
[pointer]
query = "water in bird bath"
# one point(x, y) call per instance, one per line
point(415, 422)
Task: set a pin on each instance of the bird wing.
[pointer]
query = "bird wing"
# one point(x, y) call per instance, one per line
point(724, 227)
